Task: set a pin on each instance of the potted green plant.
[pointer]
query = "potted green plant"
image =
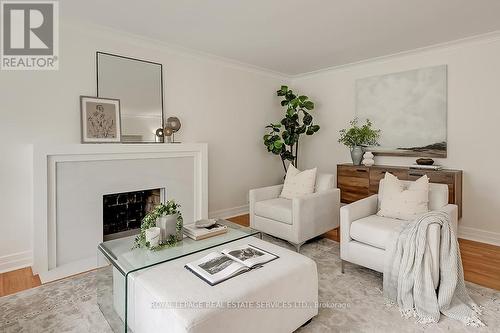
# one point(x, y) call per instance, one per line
point(168, 218)
point(283, 137)
point(357, 137)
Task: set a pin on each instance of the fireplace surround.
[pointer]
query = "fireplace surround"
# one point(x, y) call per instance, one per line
point(71, 180)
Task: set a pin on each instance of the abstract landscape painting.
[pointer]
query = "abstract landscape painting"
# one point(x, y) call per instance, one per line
point(410, 108)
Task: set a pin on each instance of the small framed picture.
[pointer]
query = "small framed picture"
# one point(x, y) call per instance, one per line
point(101, 121)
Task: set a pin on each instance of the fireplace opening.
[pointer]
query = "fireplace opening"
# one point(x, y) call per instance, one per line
point(123, 212)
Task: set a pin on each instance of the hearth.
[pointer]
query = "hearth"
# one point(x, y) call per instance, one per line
point(123, 212)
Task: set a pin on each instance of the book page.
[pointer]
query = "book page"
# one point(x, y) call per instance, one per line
point(249, 255)
point(216, 267)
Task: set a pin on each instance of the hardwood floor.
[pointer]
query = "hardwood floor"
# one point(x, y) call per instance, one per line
point(481, 261)
point(481, 264)
point(18, 280)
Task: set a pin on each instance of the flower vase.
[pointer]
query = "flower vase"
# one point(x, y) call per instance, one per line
point(356, 155)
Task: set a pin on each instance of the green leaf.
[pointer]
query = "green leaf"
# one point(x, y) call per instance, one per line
point(309, 105)
point(303, 98)
point(307, 118)
point(284, 102)
point(278, 144)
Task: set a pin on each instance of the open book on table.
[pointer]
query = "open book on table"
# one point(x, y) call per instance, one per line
point(220, 266)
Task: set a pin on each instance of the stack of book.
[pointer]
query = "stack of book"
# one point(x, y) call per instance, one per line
point(427, 167)
point(197, 233)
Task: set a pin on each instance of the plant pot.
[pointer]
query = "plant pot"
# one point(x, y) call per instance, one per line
point(356, 155)
point(168, 226)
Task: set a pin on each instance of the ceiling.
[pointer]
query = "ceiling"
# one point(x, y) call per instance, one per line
point(294, 36)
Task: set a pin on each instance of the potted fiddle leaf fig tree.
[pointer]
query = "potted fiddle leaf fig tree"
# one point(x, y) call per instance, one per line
point(356, 137)
point(283, 137)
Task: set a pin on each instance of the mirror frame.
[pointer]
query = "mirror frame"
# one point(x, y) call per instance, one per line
point(161, 86)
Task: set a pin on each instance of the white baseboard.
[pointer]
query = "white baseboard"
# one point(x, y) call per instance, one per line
point(229, 212)
point(479, 235)
point(15, 261)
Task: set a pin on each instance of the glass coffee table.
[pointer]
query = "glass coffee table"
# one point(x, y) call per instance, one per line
point(122, 260)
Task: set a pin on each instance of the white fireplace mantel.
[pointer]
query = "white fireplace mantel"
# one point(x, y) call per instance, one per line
point(51, 165)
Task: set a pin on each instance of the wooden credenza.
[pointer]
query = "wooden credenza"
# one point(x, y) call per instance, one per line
point(358, 182)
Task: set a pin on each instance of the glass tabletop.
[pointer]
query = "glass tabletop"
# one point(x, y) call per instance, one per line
point(127, 260)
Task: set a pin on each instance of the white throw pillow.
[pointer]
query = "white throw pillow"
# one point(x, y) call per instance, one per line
point(403, 203)
point(297, 183)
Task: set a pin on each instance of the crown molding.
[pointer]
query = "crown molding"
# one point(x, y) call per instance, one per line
point(140, 40)
point(489, 37)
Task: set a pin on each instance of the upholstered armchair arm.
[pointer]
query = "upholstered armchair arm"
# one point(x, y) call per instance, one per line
point(261, 194)
point(355, 211)
point(315, 213)
point(452, 210)
point(434, 240)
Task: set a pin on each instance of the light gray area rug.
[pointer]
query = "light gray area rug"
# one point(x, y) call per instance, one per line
point(355, 302)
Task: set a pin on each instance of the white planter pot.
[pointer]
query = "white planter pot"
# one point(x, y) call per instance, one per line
point(153, 235)
point(168, 226)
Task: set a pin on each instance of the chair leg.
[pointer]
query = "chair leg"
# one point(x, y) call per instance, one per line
point(297, 246)
point(342, 266)
point(261, 235)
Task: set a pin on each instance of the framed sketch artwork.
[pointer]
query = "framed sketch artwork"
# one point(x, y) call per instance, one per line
point(100, 120)
point(410, 109)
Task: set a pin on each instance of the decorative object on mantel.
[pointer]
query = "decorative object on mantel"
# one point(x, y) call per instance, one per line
point(410, 108)
point(296, 122)
point(172, 126)
point(425, 161)
point(166, 217)
point(159, 134)
point(358, 136)
point(167, 133)
point(368, 159)
point(100, 120)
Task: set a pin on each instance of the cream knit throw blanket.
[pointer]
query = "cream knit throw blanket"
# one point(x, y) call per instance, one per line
point(408, 279)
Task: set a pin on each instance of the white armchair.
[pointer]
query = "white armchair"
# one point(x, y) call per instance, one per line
point(299, 219)
point(363, 234)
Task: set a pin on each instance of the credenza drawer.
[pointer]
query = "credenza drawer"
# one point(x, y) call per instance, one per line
point(434, 177)
point(353, 171)
point(378, 173)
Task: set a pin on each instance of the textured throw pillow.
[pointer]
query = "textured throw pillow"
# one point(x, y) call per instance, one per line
point(403, 203)
point(298, 183)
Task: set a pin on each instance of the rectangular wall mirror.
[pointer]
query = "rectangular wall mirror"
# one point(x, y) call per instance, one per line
point(138, 84)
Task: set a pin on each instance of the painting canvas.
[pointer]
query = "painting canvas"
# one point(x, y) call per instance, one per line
point(100, 120)
point(410, 109)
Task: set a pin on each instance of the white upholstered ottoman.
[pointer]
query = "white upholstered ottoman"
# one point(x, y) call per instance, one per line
point(279, 297)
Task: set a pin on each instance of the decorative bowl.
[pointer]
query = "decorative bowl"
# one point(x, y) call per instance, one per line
point(425, 161)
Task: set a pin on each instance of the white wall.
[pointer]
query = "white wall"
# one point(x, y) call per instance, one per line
point(222, 103)
point(473, 122)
